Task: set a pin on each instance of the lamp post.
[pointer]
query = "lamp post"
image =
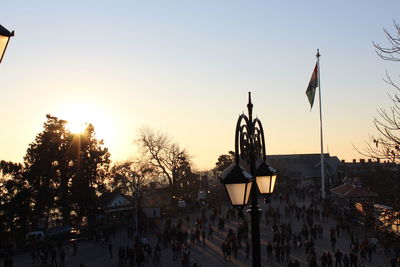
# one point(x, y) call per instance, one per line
point(5, 36)
point(249, 167)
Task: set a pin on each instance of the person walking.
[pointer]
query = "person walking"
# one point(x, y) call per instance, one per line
point(346, 261)
point(247, 249)
point(62, 258)
point(338, 258)
point(269, 251)
point(353, 260)
point(228, 251)
point(139, 256)
point(157, 255)
point(324, 260)
point(328, 260)
point(393, 262)
point(110, 250)
point(8, 261)
point(149, 251)
point(174, 251)
point(223, 248)
point(53, 257)
point(75, 247)
point(235, 249)
point(210, 232)
point(33, 255)
point(333, 242)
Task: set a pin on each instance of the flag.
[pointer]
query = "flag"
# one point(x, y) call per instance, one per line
point(312, 85)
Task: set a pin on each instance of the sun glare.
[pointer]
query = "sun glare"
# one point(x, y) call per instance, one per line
point(79, 115)
point(76, 126)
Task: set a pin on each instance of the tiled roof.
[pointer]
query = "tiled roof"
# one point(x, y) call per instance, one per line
point(342, 189)
point(349, 190)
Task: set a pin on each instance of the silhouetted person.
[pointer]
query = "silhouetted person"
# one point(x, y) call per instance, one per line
point(53, 257)
point(353, 260)
point(346, 261)
point(393, 262)
point(247, 249)
point(110, 250)
point(75, 247)
point(62, 258)
point(8, 261)
point(338, 258)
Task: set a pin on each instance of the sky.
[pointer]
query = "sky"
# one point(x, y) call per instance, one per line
point(185, 68)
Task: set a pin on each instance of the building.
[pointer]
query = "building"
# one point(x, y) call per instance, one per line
point(156, 202)
point(305, 169)
point(350, 195)
point(366, 167)
point(115, 204)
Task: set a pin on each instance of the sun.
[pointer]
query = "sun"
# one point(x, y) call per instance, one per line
point(79, 115)
point(76, 126)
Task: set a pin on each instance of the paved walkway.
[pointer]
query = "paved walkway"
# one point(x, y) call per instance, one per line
point(210, 254)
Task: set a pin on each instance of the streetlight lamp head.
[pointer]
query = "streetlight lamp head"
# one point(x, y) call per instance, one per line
point(237, 183)
point(5, 36)
point(265, 178)
point(238, 178)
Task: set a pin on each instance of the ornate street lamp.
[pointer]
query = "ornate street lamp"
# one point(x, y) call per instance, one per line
point(237, 184)
point(5, 36)
point(266, 178)
point(238, 178)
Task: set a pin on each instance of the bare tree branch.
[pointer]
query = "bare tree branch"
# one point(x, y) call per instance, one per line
point(161, 153)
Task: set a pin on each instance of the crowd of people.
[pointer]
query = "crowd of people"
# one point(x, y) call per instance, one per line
point(297, 229)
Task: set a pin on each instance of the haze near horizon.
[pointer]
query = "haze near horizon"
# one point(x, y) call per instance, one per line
point(185, 68)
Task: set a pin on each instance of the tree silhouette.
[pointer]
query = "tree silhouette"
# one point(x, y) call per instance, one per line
point(91, 163)
point(387, 144)
point(43, 160)
point(132, 177)
point(166, 157)
point(223, 162)
point(15, 200)
point(62, 172)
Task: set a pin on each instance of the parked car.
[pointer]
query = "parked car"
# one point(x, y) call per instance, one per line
point(55, 234)
point(34, 237)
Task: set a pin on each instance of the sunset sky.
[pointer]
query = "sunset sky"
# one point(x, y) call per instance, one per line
point(185, 67)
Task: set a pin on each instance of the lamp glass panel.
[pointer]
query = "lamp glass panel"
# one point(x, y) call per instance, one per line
point(3, 43)
point(273, 180)
point(263, 183)
point(266, 184)
point(236, 193)
point(248, 192)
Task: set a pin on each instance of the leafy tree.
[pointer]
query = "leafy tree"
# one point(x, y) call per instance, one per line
point(65, 171)
point(15, 199)
point(224, 161)
point(61, 172)
point(91, 167)
point(188, 183)
point(42, 166)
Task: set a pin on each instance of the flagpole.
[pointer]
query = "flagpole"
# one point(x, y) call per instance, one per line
point(322, 140)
